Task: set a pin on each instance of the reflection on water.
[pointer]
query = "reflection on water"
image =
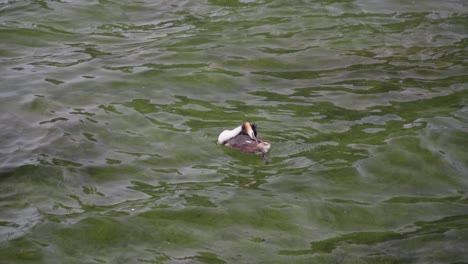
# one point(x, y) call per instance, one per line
point(110, 113)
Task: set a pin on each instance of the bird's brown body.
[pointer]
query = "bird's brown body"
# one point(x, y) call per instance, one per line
point(245, 144)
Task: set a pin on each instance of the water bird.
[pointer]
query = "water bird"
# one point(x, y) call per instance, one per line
point(244, 138)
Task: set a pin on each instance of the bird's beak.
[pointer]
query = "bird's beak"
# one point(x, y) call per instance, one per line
point(251, 133)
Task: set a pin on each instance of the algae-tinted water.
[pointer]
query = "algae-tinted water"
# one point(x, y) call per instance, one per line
point(109, 113)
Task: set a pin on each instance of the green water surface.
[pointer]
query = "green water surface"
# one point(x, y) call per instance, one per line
point(110, 110)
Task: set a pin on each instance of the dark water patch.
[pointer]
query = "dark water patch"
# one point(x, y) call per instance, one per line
point(276, 97)
point(139, 155)
point(54, 81)
point(130, 69)
point(109, 108)
point(81, 111)
point(88, 208)
point(197, 200)
point(9, 224)
point(445, 175)
point(280, 51)
point(291, 75)
point(245, 182)
point(91, 190)
point(440, 105)
point(31, 254)
point(62, 162)
point(265, 218)
point(59, 64)
point(362, 86)
point(109, 232)
point(113, 161)
point(32, 37)
point(131, 27)
point(206, 257)
point(142, 105)
point(153, 191)
point(227, 72)
point(163, 125)
point(53, 120)
point(53, 29)
point(453, 199)
point(90, 137)
point(373, 238)
point(175, 66)
point(231, 3)
point(255, 64)
point(347, 201)
point(91, 51)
